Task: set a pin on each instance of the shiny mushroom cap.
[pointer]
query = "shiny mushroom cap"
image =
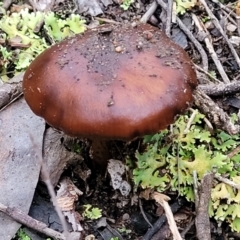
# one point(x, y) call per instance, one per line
point(113, 82)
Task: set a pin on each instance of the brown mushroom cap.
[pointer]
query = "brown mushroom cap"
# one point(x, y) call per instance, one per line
point(113, 82)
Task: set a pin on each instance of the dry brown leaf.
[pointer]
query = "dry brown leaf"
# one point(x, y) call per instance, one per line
point(238, 8)
point(67, 195)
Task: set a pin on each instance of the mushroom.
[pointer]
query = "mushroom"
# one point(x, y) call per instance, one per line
point(112, 82)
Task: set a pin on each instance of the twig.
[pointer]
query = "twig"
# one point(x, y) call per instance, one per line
point(234, 152)
point(178, 169)
point(210, 48)
point(107, 20)
point(149, 12)
point(206, 73)
point(46, 179)
point(228, 16)
point(220, 89)
point(214, 113)
point(194, 113)
point(238, 24)
point(21, 217)
point(195, 188)
point(191, 37)
point(158, 224)
point(187, 228)
point(163, 201)
point(11, 91)
point(225, 8)
point(202, 219)
point(143, 213)
point(209, 124)
point(12, 101)
point(218, 26)
point(227, 181)
point(169, 18)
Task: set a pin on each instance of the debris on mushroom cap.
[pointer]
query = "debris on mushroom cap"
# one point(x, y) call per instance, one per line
point(86, 88)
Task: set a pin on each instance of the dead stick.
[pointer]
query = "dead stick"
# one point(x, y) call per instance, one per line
point(23, 218)
point(221, 88)
point(214, 113)
point(202, 219)
point(149, 13)
point(169, 18)
point(234, 152)
point(227, 181)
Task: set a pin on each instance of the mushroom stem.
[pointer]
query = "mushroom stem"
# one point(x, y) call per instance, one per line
point(100, 152)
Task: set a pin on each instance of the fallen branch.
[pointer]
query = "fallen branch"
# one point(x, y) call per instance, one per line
point(30, 222)
point(220, 89)
point(202, 221)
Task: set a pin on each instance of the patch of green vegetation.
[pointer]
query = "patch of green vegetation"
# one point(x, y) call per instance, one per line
point(213, 74)
point(124, 230)
point(172, 155)
point(126, 4)
point(181, 6)
point(22, 235)
point(25, 42)
point(91, 212)
point(205, 19)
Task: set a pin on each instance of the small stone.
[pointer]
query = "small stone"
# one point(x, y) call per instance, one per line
point(118, 49)
point(139, 46)
point(125, 217)
point(231, 27)
point(134, 24)
point(147, 35)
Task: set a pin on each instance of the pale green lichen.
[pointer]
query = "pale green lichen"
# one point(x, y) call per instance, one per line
point(126, 4)
point(20, 29)
point(181, 6)
point(171, 157)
